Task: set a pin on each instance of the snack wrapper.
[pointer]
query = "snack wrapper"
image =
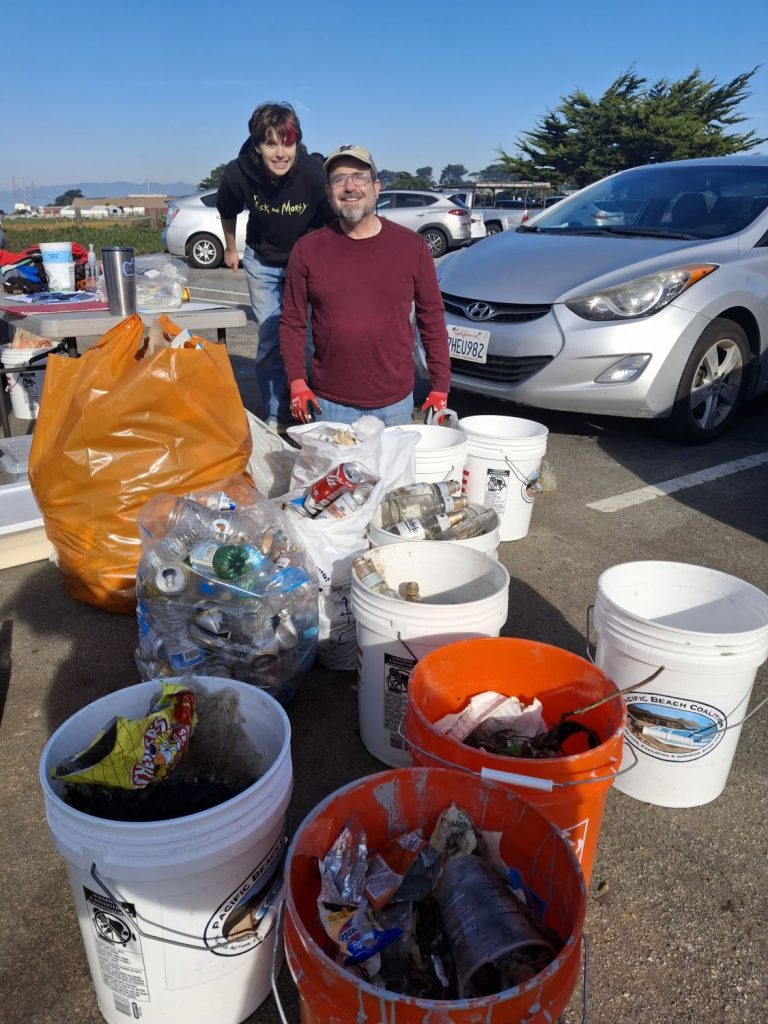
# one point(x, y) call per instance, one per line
point(133, 753)
point(387, 869)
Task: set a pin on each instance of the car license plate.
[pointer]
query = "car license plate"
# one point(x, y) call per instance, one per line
point(468, 343)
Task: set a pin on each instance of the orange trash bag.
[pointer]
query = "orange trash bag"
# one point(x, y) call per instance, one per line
point(131, 418)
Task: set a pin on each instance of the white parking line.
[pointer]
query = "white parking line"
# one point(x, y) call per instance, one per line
point(217, 291)
point(678, 483)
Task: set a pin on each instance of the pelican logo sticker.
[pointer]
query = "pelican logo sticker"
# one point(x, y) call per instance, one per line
point(672, 729)
point(249, 913)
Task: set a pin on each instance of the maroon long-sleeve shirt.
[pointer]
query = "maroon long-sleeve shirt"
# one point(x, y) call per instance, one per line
point(361, 291)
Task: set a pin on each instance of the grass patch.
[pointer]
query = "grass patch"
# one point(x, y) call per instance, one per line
point(142, 234)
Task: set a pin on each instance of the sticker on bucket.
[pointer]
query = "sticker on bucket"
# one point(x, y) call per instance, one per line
point(496, 487)
point(397, 672)
point(236, 926)
point(671, 728)
point(118, 948)
point(577, 834)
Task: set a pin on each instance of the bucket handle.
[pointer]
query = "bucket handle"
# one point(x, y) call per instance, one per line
point(530, 482)
point(273, 968)
point(512, 778)
point(590, 656)
point(268, 918)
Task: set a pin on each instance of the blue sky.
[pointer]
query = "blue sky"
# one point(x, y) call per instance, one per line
point(132, 92)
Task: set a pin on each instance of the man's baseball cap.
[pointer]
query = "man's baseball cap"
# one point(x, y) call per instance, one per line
point(354, 151)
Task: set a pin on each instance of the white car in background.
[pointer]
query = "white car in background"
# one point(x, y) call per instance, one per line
point(443, 223)
point(193, 229)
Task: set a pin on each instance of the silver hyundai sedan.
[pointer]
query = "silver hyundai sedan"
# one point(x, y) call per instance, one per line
point(643, 295)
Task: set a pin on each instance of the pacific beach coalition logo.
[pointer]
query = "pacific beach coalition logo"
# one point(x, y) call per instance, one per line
point(673, 729)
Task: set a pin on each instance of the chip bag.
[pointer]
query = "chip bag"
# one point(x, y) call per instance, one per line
point(133, 753)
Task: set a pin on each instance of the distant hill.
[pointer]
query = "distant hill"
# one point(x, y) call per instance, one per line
point(45, 194)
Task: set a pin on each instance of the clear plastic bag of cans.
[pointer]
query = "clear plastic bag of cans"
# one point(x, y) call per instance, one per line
point(225, 587)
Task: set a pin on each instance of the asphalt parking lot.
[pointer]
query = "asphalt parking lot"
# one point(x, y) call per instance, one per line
point(678, 907)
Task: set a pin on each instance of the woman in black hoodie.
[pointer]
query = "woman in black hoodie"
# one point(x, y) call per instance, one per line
point(283, 189)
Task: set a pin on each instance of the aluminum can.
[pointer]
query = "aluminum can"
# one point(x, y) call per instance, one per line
point(343, 478)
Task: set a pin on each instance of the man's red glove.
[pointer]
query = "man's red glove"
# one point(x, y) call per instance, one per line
point(301, 400)
point(437, 400)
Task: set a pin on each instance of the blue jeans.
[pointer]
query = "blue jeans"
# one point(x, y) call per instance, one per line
point(265, 285)
point(396, 415)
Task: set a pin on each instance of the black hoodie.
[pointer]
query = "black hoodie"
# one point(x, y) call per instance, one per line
point(280, 211)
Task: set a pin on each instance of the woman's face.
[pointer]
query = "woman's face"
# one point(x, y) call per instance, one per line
point(278, 156)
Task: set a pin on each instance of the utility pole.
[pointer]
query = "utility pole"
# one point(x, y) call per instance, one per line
point(13, 180)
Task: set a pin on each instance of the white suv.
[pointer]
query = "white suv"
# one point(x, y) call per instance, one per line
point(443, 223)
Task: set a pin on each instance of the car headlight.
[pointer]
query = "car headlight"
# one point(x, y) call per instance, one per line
point(642, 297)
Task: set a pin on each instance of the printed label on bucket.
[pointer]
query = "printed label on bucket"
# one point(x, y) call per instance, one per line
point(672, 729)
point(496, 489)
point(243, 920)
point(118, 950)
point(397, 673)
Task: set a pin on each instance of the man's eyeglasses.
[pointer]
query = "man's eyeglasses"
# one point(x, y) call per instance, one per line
point(358, 178)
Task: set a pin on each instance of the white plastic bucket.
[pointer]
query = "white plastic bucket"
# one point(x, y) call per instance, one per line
point(441, 452)
point(488, 543)
point(59, 266)
point(503, 462)
point(146, 892)
point(465, 594)
point(26, 386)
point(709, 631)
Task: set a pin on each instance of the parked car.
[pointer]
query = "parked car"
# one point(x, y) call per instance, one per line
point(193, 229)
point(443, 223)
point(658, 310)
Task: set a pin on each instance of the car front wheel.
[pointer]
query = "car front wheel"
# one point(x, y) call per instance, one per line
point(713, 383)
point(436, 240)
point(205, 252)
point(493, 229)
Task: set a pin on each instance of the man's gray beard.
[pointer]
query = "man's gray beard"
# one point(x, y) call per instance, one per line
point(354, 214)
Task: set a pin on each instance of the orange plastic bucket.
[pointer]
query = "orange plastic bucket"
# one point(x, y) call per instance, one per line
point(387, 804)
point(576, 786)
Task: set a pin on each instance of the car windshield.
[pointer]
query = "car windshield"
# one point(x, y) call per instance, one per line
point(664, 201)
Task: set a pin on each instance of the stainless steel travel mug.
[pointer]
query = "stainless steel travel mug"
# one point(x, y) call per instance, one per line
point(119, 279)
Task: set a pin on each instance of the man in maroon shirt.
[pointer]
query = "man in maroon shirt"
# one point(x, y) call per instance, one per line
point(360, 275)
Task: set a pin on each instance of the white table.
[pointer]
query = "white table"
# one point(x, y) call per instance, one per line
point(67, 327)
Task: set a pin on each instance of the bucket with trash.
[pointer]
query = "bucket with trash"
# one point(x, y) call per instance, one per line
point(542, 720)
point(408, 599)
point(419, 896)
point(167, 801)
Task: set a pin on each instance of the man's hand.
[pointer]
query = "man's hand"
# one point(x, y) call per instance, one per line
point(436, 400)
point(301, 400)
point(231, 259)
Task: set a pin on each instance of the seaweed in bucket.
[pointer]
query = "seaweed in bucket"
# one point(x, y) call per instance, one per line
point(506, 726)
point(188, 754)
point(434, 919)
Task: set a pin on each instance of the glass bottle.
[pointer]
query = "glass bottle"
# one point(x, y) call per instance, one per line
point(411, 591)
point(480, 521)
point(371, 578)
point(429, 528)
point(417, 506)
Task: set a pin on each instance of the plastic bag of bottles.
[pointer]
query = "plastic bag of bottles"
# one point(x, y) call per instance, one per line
point(225, 587)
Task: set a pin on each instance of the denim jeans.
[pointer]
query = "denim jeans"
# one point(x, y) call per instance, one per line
point(265, 285)
point(396, 415)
